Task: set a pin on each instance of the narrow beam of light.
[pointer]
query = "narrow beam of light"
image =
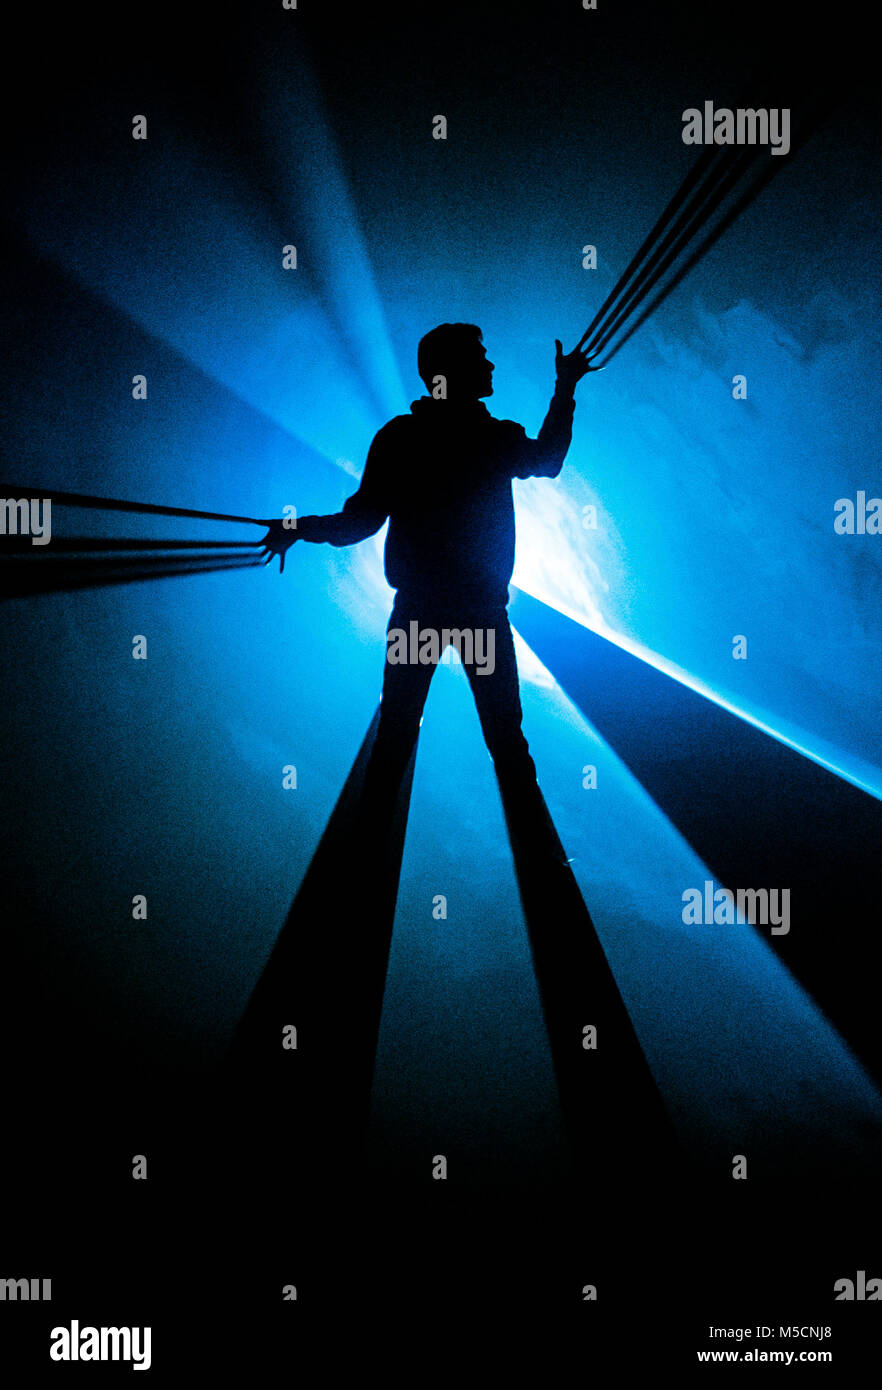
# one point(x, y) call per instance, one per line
point(868, 779)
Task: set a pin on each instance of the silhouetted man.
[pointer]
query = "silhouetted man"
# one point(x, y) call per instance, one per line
point(443, 477)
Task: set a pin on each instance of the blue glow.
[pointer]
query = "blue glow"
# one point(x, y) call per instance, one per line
point(266, 386)
point(714, 515)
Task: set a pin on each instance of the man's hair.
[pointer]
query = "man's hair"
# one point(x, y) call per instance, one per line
point(439, 350)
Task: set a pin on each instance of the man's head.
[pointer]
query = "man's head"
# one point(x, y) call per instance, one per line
point(455, 352)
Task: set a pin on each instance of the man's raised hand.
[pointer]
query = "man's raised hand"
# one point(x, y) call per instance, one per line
point(277, 540)
point(571, 366)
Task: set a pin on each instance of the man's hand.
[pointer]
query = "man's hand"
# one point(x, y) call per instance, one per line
point(277, 541)
point(570, 366)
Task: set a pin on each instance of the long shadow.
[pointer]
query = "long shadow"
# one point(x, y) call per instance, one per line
point(325, 978)
point(612, 1110)
point(30, 578)
point(84, 562)
point(758, 813)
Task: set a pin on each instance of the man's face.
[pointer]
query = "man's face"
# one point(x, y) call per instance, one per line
point(483, 371)
point(473, 374)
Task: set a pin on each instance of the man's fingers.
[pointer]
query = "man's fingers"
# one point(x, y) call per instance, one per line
point(269, 553)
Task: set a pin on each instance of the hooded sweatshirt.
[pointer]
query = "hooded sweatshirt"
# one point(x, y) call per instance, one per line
point(442, 475)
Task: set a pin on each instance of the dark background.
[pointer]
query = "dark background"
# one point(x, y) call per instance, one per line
point(115, 785)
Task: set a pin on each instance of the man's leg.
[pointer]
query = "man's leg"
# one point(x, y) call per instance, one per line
point(498, 701)
point(405, 687)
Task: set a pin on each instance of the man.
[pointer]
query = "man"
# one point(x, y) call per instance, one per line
point(443, 475)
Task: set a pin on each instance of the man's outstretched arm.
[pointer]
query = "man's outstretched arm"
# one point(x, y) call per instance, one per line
point(543, 457)
point(362, 515)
